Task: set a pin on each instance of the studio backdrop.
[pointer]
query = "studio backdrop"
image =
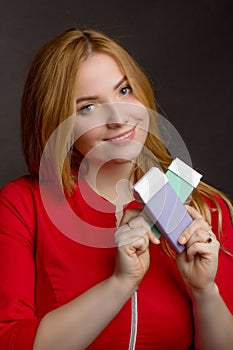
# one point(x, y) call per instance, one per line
point(185, 47)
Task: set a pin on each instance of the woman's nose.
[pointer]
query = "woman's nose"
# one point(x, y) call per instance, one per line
point(116, 115)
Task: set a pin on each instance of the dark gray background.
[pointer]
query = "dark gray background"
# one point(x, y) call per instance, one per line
point(184, 46)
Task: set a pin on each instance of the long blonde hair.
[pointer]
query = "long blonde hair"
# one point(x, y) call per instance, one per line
point(48, 99)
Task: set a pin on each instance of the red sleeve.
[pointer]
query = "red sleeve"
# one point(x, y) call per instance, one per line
point(18, 321)
point(224, 277)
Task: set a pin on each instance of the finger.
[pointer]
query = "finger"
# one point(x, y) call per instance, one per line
point(133, 230)
point(127, 235)
point(129, 214)
point(204, 250)
point(199, 235)
point(153, 238)
point(141, 221)
point(140, 245)
point(137, 246)
point(197, 224)
point(195, 214)
point(212, 237)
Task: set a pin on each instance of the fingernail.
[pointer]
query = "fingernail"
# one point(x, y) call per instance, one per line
point(155, 239)
point(182, 239)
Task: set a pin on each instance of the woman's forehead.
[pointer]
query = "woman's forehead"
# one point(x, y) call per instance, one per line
point(96, 71)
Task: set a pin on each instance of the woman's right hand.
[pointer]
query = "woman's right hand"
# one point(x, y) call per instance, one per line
point(132, 239)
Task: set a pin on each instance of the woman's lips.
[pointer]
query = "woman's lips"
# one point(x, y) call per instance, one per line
point(122, 138)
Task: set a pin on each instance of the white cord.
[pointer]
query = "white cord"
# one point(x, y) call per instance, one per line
point(134, 321)
point(134, 317)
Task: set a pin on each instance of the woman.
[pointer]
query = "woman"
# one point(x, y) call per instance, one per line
point(58, 293)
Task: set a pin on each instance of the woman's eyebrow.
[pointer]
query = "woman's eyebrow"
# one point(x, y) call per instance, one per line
point(93, 98)
point(86, 98)
point(120, 82)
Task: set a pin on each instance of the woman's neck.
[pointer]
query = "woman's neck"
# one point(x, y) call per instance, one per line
point(111, 181)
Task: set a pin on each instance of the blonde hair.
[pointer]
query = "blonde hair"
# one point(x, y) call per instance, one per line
point(48, 99)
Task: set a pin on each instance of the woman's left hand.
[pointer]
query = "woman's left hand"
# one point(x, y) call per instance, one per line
point(198, 263)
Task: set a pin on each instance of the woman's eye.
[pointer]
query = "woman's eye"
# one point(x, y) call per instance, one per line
point(87, 109)
point(125, 90)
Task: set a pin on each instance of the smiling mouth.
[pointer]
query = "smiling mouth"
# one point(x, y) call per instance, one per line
point(123, 137)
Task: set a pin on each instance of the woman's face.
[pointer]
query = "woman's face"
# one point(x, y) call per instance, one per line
point(111, 123)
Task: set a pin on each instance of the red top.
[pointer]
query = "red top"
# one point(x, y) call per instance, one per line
point(41, 269)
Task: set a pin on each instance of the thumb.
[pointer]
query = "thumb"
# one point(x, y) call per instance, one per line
point(129, 215)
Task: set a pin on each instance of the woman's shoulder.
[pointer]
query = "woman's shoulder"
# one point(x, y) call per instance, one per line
point(18, 202)
point(21, 192)
point(23, 184)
